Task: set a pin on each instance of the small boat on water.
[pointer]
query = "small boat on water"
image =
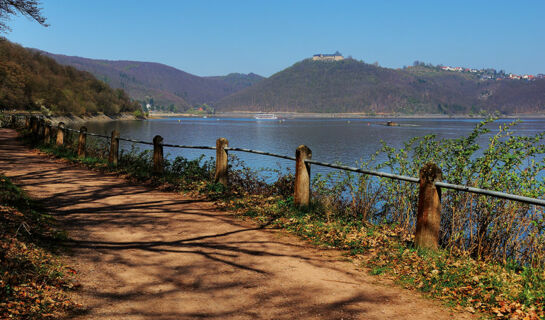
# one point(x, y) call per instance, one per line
point(395, 124)
point(266, 116)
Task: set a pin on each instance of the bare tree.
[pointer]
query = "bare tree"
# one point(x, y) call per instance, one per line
point(29, 8)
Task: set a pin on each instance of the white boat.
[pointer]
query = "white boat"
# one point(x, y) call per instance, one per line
point(266, 116)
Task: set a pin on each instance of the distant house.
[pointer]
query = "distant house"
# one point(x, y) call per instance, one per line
point(337, 56)
point(447, 68)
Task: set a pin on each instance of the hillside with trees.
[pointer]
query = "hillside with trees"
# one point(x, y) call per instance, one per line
point(160, 84)
point(239, 81)
point(322, 86)
point(31, 81)
point(354, 86)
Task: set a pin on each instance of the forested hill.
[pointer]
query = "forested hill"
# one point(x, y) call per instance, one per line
point(32, 81)
point(354, 86)
point(239, 81)
point(145, 81)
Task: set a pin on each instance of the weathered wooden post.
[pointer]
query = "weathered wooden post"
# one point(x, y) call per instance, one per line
point(47, 133)
point(27, 122)
point(34, 126)
point(221, 175)
point(428, 220)
point(41, 128)
point(114, 148)
point(13, 121)
point(60, 134)
point(301, 196)
point(158, 155)
point(82, 141)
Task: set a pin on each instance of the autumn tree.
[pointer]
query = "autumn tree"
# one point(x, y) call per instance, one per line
point(29, 8)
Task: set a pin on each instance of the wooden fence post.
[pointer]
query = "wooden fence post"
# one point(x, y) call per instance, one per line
point(301, 197)
point(158, 155)
point(60, 134)
point(41, 128)
point(114, 148)
point(428, 220)
point(47, 133)
point(27, 122)
point(34, 126)
point(13, 121)
point(221, 175)
point(82, 141)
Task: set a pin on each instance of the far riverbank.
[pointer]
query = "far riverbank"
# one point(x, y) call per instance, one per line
point(297, 115)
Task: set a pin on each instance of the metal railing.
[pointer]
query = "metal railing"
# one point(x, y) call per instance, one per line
point(439, 184)
point(429, 199)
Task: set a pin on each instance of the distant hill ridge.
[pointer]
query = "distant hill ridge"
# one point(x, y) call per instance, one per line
point(316, 85)
point(354, 86)
point(164, 84)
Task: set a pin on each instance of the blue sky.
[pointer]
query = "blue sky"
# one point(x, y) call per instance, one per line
point(218, 37)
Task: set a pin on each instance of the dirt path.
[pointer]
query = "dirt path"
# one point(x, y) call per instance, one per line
point(146, 254)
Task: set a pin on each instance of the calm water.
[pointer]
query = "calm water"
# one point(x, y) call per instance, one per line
point(331, 140)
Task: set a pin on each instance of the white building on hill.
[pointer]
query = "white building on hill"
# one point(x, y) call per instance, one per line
point(337, 56)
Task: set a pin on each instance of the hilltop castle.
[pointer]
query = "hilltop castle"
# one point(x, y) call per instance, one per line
point(337, 56)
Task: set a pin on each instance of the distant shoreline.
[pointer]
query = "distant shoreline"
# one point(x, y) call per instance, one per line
point(72, 119)
point(297, 115)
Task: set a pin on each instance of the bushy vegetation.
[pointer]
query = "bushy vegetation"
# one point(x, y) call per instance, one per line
point(33, 281)
point(484, 227)
point(31, 81)
point(492, 258)
point(203, 109)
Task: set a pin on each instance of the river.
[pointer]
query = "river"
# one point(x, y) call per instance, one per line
point(331, 140)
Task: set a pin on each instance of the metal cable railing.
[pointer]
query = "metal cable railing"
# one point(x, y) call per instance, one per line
point(97, 135)
point(135, 141)
point(261, 152)
point(497, 194)
point(451, 186)
point(364, 171)
point(89, 133)
point(186, 146)
point(445, 185)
